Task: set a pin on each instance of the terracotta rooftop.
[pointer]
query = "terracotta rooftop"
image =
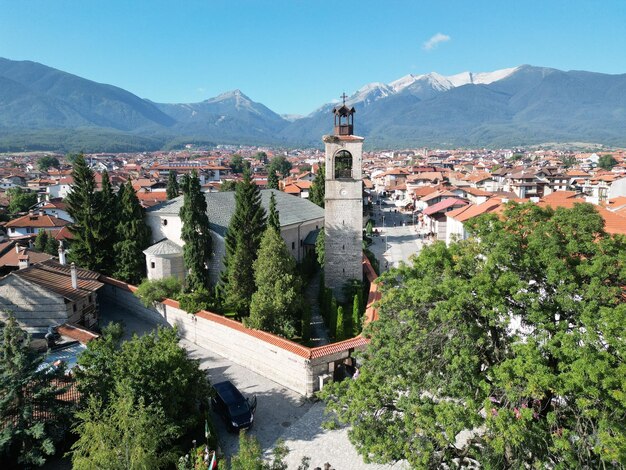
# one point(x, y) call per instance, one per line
point(56, 278)
point(443, 205)
point(12, 257)
point(474, 210)
point(36, 220)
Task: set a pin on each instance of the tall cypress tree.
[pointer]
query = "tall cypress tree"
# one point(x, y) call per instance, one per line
point(318, 188)
point(242, 244)
point(84, 205)
point(195, 233)
point(133, 237)
point(173, 190)
point(273, 220)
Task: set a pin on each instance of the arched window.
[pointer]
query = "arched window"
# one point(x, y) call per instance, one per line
point(343, 164)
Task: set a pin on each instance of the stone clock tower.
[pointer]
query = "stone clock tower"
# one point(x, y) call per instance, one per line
point(343, 222)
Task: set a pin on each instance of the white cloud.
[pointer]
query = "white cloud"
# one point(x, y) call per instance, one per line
point(435, 41)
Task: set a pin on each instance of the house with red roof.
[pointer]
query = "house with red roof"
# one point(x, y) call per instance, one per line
point(30, 225)
point(435, 216)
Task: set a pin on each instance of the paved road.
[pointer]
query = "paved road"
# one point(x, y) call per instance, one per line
point(399, 239)
point(281, 413)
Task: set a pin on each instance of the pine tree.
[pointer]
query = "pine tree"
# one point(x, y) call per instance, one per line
point(133, 237)
point(332, 314)
point(106, 223)
point(173, 190)
point(242, 244)
point(273, 220)
point(272, 180)
point(28, 392)
point(84, 205)
point(195, 234)
point(276, 304)
point(52, 246)
point(318, 188)
point(356, 315)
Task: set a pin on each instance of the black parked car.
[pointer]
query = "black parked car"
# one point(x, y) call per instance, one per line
point(235, 409)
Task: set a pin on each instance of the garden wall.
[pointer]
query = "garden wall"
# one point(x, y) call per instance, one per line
point(290, 364)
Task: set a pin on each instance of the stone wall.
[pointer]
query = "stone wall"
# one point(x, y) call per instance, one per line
point(288, 363)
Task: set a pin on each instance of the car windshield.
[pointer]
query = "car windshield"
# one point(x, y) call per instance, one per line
point(238, 410)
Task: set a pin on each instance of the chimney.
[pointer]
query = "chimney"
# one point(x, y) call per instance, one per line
point(61, 253)
point(23, 261)
point(17, 248)
point(74, 276)
point(41, 213)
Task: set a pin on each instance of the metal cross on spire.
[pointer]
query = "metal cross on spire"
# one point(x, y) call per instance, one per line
point(343, 97)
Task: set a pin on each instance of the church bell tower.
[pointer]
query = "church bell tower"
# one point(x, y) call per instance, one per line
point(343, 224)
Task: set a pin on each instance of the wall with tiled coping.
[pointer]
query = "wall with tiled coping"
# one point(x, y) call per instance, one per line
point(285, 362)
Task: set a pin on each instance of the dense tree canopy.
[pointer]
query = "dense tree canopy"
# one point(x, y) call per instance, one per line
point(238, 164)
point(280, 164)
point(47, 162)
point(28, 392)
point(20, 199)
point(607, 162)
point(506, 349)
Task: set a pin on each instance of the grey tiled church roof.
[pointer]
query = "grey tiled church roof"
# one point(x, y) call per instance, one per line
point(220, 208)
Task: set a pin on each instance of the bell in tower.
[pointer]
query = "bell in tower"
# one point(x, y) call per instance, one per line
point(343, 223)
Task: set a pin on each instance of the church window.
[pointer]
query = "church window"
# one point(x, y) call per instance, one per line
point(293, 245)
point(152, 264)
point(343, 164)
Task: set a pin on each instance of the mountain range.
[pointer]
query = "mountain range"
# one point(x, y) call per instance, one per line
point(42, 107)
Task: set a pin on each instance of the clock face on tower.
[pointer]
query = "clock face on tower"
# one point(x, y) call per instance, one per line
point(343, 192)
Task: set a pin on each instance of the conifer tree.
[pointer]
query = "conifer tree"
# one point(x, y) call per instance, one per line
point(106, 223)
point(41, 240)
point(84, 206)
point(272, 179)
point(340, 326)
point(28, 392)
point(242, 244)
point(318, 188)
point(173, 190)
point(276, 304)
point(332, 315)
point(356, 315)
point(273, 220)
point(133, 237)
point(52, 246)
point(195, 233)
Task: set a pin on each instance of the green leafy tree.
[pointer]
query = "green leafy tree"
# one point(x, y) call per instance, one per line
point(607, 162)
point(33, 415)
point(89, 243)
point(273, 219)
point(242, 244)
point(238, 164)
point(276, 304)
point(250, 455)
point(506, 349)
point(154, 368)
point(52, 246)
point(318, 188)
point(280, 164)
point(568, 161)
point(272, 180)
point(125, 434)
point(261, 157)
point(172, 190)
point(133, 237)
point(20, 199)
point(47, 162)
point(195, 234)
point(156, 290)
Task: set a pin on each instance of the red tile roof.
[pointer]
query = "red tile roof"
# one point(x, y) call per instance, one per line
point(443, 205)
point(37, 221)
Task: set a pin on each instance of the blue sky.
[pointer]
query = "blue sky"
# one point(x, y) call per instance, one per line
point(294, 55)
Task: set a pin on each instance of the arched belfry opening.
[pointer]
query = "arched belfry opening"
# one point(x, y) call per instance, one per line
point(343, 164)
point(344, 119)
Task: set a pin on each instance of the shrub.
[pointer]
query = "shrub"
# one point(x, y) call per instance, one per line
point(150, 292)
